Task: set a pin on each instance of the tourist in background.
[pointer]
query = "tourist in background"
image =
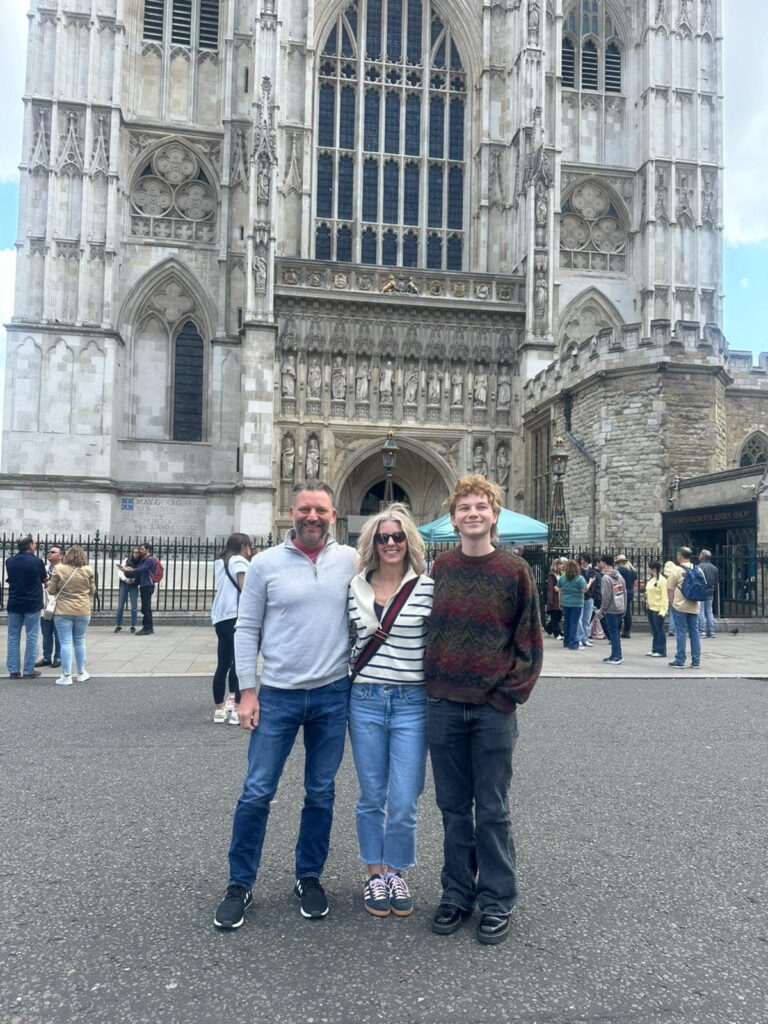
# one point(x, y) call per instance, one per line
point(229, 571)
point(51, 644)
point(656, 606)
point(712, 576)
point(592, 576)
point(553, 599)
point(73, 586)
point(129, 591)
point(571, 587)
point(26, 578)
point(613, 604)
point(388, 703)
point(629, 574)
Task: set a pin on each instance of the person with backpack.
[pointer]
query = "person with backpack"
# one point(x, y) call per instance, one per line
point(687, 587)
point(149, 571)
point(613, 605)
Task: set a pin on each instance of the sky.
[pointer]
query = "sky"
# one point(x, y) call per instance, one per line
point(746, 168)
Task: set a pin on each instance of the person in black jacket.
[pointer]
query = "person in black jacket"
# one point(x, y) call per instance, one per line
point(628, 573)
point(26, 578)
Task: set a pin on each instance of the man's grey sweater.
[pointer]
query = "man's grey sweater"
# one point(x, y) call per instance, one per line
point(294, 612)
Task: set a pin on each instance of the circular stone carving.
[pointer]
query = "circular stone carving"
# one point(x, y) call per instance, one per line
point(195, 201)
point(175, 164)
point(608, 235)
point(152, 196)
point(590, 201)
point(574, 232)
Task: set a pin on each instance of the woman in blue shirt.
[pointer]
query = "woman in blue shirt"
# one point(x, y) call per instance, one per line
point(572, 587)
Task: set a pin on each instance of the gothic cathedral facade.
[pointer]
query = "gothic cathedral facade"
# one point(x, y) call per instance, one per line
point(257, 235)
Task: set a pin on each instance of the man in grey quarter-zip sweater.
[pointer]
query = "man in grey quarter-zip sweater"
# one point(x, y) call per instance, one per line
point(293, 611)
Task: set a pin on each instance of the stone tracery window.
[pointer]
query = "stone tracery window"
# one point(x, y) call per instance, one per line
point(755, 450)
point(172, 198)
point(391, 132)
point(593, 235)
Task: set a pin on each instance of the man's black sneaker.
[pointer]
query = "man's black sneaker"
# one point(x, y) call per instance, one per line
point(145, 632)
point(231, 910)
point(448, 919)
point(311, 895)
point(493, 928)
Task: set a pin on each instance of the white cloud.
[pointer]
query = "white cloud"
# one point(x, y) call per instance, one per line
point(13, 51)
point(744, 282)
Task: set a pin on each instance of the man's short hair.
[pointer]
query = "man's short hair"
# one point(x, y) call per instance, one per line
point(704, 553)
point(474, 483)
point(606, 559)
point(312, 485)
point(148, 547)
point(584, 556)
point(25, 543)
point(684, 553)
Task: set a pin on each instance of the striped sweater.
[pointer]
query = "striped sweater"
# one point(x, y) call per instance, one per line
point(400, 659)
point(484, 643)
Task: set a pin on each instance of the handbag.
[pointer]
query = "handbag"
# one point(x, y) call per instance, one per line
point(50, 599)
point(382, 633)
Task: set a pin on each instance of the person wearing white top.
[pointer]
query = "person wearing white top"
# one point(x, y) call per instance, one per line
point(229, 571)
point(388, 705)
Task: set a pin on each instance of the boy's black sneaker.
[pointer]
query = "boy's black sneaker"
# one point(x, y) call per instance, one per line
point(231, 910)
point(493, 929)
point(312, 897)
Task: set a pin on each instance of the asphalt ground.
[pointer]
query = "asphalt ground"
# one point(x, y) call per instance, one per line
point(640, 813)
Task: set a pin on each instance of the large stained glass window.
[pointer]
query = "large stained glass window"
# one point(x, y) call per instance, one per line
point(391, 136)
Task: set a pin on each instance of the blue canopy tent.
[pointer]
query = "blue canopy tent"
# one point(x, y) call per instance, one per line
point(513, 528)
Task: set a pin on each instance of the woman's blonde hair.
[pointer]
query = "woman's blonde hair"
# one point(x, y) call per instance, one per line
point(367, 556)
point(75, 556)
point(557, 565)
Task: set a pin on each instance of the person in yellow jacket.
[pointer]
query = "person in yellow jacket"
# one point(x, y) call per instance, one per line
point(656, 607)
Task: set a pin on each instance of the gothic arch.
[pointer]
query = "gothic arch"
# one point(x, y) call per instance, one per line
point(154, 282)
point(584, 316)
point(460, 15)
point(753, 450)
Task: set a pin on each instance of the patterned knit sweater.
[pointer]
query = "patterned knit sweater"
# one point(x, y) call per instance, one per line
point(484, 640)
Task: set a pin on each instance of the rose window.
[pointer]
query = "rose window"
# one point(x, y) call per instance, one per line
point(592, 234)
point(172, 198)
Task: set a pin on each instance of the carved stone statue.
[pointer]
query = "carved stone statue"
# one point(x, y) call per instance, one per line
point(479, 461)
point(288, 377)
point(504, 394)
point(481, 386)
point(433, 386)
point(338, 380)
point(362, 381)
point(411, 385)
point(502, 465)
point(287, 458)
point(386, 378)
point(314, 379)
point(260, 271)
point(312, 462)
point(457, 387)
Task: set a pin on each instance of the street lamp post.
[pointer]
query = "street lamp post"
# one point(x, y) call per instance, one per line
point(389, 459)
point(559, 532)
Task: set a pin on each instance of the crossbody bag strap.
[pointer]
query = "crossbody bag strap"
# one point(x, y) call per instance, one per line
point(233, 582)
point(382, 633)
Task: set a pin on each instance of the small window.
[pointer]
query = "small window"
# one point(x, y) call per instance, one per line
point(755, 451)
point(589, 66)
point(181, 22)
point(154, 16)
point(208, 32)
point(569, 64)
point(612, 68)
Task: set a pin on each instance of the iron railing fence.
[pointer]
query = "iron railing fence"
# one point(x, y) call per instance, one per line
point(187, 584)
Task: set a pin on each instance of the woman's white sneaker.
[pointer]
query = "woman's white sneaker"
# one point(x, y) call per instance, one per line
point(220, 716)
point(83, 677)
point(64, 681)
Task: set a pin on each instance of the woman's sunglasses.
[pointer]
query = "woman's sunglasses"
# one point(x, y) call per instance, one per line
point(383, 538)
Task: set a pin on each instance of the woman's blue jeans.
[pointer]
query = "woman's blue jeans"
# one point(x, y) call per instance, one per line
point(571, 621)
point(127, 592)
point(388, 730)
point(658, 635)
point(71, 629)
point(322, 713)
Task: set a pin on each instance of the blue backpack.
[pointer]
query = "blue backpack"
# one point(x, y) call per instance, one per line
point(693, 585)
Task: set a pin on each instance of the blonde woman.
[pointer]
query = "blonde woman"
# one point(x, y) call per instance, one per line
point(72, 580)
point(388, 704)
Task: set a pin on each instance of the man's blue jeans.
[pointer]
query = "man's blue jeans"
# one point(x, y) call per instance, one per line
point(323, 714)
point(30, 621)
point(687, 625)
point(706, 617)
point(471, 749)
point(586, 619)
point(51, 643)
point(388, 730)
point(612, 623)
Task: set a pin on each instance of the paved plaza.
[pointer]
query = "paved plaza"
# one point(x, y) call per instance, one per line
point(640, 807)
